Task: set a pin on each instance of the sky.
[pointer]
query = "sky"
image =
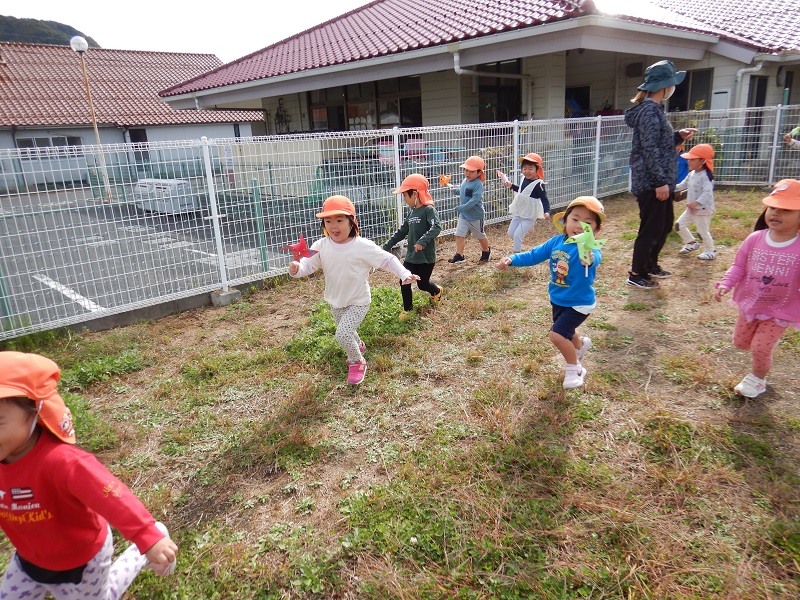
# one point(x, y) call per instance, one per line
point(229, 31)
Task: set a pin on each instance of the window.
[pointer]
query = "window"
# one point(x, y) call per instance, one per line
point(499, 99)
point(50, 146)
point(694, 93)
point(381, 104)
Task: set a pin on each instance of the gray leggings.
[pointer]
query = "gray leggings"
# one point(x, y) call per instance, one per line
point(347, 320)
point(101, 579)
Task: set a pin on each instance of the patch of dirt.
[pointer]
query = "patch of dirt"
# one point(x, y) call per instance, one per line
point(667, 349)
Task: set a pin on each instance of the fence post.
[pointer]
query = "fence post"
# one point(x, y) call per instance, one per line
point(596, 174)
point(515, 146)
point(262, 238)
point(773, 153)
point(397, 177)
point(215, 216)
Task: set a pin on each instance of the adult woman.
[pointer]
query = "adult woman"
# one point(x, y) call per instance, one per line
point(653, 170)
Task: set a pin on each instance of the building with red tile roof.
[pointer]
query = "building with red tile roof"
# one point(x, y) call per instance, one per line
point(43, 97)
point(441, 58)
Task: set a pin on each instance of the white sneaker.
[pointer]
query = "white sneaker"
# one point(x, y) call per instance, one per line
point(581, 352)
point(690, 247)
point(751, 386)
point(708, 255)
point(158, 569)
point(574, 376)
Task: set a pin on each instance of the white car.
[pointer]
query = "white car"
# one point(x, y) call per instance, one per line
point(170, 196)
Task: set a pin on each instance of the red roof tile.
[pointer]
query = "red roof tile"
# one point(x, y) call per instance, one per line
point(380, 28)
point(42, 85)
point(766, 25)
point(386, 27)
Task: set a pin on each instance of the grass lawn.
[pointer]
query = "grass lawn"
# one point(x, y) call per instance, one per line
point(460, 468)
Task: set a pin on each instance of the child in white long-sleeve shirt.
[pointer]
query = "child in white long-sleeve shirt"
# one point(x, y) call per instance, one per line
point(347, 259)
point(699, 186)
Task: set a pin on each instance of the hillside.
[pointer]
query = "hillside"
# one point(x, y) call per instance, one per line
point(35, 31)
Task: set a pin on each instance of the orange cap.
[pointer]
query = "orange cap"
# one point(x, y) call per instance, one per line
point(337, 206)
point(475, 163)
point(36, 377)
point(418, 182)
point(590, 202)
point(704, 151)
point(535, 159)
point(785, 194)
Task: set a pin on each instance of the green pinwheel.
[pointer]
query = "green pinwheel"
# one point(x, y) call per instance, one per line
point(586, 243)
point(795, 131)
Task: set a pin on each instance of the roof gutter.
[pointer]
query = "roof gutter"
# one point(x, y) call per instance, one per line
point(738, 83)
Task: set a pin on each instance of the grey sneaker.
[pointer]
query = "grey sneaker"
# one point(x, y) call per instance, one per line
point(708, 255)
point(643, 282)
point(457, 258)
point(581, 352)
point(574, 376)
point(690, 247)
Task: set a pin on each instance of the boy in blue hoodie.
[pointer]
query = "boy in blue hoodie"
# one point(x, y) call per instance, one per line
point(571, 293)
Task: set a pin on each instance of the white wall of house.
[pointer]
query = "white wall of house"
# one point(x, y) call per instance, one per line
point(167, 133)
point(441, 104)
point(549, 79)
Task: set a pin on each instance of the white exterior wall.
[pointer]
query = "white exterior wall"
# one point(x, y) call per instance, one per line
point(169, 133)
point(440, 98)
point(549, 79)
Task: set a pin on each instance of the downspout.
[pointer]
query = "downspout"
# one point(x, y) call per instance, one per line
point(738, 82)
point(459, 71)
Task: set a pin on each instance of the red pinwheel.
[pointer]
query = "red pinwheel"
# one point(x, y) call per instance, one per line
point(299, 249)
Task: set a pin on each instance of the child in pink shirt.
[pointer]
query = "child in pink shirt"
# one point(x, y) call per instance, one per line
point(765, 278)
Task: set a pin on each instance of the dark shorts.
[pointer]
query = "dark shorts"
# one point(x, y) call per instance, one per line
point(566, 320)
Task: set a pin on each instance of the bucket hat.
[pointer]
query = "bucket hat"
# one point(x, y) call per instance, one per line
point(532, 157)
point(475, 163)
point(36, 377)
point(590, 202)
point(417, 182)
point(704, 151)
point(785, 194)
point(661, 75)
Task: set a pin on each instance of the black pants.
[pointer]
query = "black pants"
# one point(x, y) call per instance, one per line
point(655, 223)
point(424, 271)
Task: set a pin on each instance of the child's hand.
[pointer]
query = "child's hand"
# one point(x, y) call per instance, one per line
point(547, 216)
point(688, 133)
point(294, 267)
point(504, 178)
point(719, 293)
point(161, 554)
point(590, 262)
point(410, 278)
point(787, 138)
point(418, 248)
point(504, 263)
point(692, 204)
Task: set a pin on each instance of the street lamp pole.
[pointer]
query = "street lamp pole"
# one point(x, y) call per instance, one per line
point(80, 45)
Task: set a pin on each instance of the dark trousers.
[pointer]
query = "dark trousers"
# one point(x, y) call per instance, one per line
point(655, 223)
point(424, 271)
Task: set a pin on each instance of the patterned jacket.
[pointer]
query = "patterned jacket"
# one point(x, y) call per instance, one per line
point(653, 159)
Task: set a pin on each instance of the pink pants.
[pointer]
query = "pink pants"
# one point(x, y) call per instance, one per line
point(760, 337)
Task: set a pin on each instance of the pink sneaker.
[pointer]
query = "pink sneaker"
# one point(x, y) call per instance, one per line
point(356, 371)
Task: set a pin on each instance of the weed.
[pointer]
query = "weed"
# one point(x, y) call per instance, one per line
point(635, 306)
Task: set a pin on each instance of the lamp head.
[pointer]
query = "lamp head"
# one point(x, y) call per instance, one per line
point(79, 44)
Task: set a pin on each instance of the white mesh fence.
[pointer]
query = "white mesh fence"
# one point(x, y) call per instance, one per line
point(91, 231)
